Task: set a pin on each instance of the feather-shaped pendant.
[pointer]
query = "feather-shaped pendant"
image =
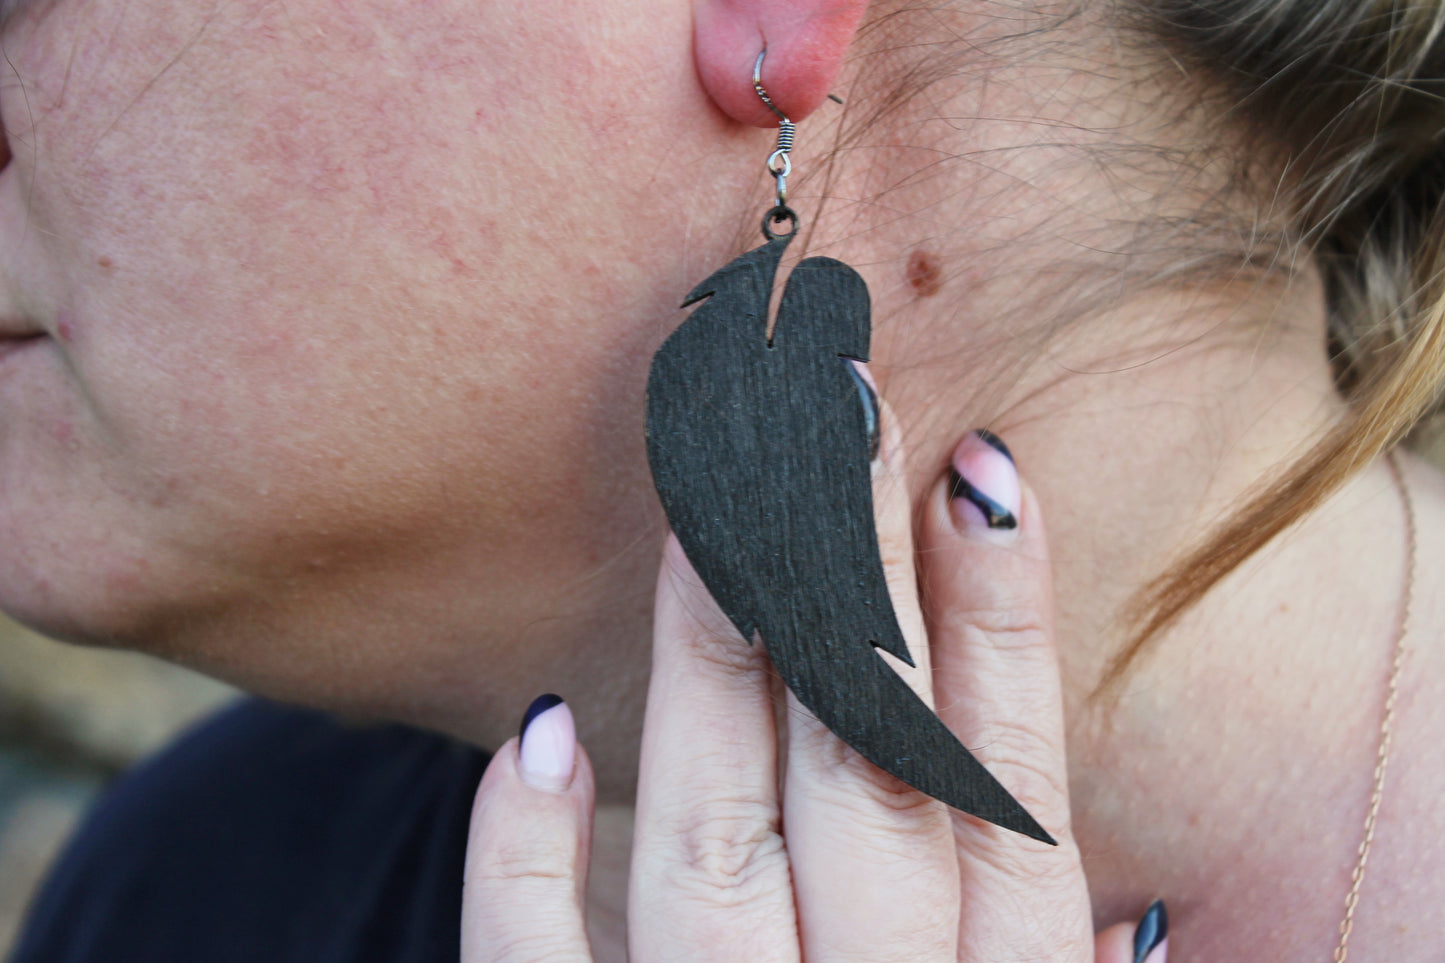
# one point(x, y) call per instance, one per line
point(760, 451)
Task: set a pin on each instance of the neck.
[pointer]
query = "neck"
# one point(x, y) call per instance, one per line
point(1256, 702)
point(1214, 722)
point(1141, 426)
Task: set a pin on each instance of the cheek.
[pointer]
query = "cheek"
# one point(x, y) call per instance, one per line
point(138, 474)
point(301, 319)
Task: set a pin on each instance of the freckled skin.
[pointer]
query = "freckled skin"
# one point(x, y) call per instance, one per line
point(291, 442)
point(333, 317)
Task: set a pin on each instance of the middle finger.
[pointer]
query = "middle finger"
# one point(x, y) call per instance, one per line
point(874, 864)
point(709, 871)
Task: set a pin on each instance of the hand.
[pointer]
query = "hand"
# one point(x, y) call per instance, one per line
point(867, 869)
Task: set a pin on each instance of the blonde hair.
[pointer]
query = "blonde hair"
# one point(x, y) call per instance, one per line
point(1348, 95)
point(1341, 105)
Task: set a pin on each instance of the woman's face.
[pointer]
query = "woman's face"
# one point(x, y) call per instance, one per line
point(314, 296)
point(326, 324)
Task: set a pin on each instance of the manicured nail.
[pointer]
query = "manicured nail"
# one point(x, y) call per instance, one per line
point(548, 751)
point(984, 484)
point(868, 395)
point(1151, 939)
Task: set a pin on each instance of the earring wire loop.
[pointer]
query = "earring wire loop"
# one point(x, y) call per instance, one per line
point(779, 164)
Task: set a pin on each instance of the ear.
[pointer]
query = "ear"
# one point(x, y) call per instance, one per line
point(805, 39)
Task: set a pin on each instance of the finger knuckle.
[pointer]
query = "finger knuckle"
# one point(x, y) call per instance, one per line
point(1013, 629)
point(1027, 762)
point(721, 651)
point(999, 862)
point(722, 855)
point(521, 860)
point(901, 804)
point(861, 785)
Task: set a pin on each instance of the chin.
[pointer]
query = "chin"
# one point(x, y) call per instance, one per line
point(80, 582)
point(68, 612)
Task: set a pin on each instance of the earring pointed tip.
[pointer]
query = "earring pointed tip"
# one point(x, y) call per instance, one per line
point(1018, 820)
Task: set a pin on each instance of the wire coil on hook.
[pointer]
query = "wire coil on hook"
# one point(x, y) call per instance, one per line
point(779, 164)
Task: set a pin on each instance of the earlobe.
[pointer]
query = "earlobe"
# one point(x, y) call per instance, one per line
point(806, 41)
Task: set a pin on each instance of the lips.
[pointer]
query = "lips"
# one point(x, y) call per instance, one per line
point(13, 329)
point(15, 340)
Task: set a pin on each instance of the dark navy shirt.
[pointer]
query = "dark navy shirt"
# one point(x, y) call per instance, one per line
point(269, 834)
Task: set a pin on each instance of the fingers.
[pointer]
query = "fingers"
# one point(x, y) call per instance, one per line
point(1144, 942)
point(895, 544)
point(873, 860)
point(527, 849)
point(710, 874)
point(1115, 944)
point(988, 595)
point(873, 870)
point(1151, 937)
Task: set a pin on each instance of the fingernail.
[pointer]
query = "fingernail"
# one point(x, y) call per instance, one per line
point(983, 484)
point(868, 395)
point(1151, 937)
point(549, 744)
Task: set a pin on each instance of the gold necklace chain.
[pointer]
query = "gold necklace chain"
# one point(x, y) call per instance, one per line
point(1392, 689)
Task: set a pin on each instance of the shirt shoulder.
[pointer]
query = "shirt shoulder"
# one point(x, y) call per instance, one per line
point(269, 833)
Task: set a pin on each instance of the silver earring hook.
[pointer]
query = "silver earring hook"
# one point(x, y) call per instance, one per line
point(758, 86)
point(779, 164)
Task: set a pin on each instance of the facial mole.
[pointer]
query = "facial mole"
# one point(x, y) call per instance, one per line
point(924, 273)
point(105, 263)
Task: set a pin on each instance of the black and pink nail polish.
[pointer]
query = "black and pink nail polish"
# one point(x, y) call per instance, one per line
point(983, 483)
point(868, 395)
point(1151, 934)
point(548, 750)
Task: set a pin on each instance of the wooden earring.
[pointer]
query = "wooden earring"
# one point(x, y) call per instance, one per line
point(760, 449)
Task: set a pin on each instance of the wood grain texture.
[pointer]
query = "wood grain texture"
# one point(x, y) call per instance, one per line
point(760, 452)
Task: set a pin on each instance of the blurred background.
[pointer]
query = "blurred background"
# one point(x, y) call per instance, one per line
point(71, 719)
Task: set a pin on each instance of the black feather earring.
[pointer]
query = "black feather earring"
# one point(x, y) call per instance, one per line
point(760, 450)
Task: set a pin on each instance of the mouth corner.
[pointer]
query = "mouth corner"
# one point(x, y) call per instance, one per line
point(13, 344)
